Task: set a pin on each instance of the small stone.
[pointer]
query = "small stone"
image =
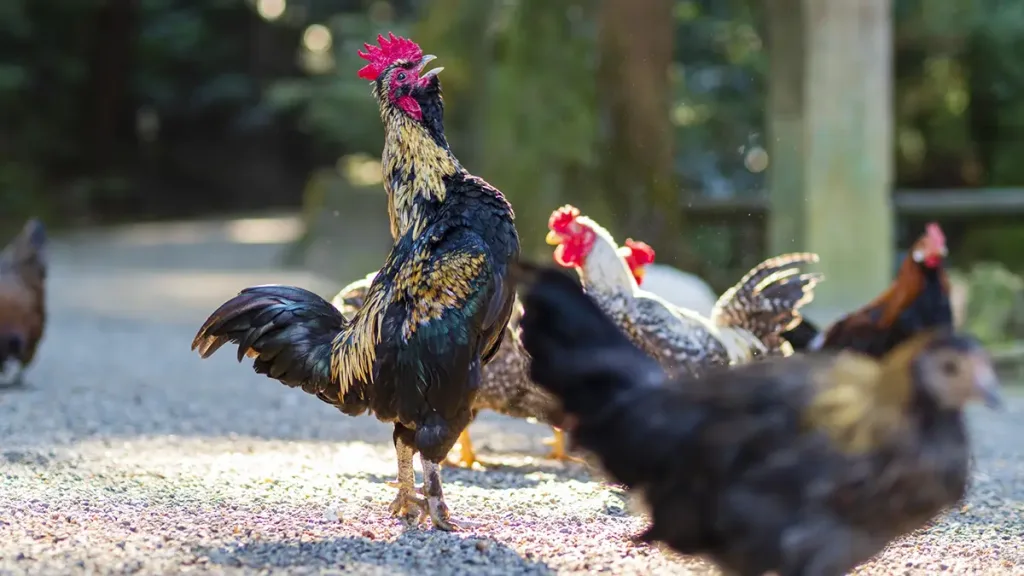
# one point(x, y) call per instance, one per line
point(331, 514)
point(482, 545)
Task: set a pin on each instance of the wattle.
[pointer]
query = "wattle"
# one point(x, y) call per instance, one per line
point(410, 106)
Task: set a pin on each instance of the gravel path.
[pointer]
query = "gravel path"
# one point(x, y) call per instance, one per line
point(127, 454)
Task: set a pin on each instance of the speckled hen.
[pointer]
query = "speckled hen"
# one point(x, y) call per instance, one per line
point(745, 323)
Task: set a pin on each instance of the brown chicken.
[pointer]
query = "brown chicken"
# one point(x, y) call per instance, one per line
point(805, 466)
point(22, 298)
point(505, 385)
point(917, 300)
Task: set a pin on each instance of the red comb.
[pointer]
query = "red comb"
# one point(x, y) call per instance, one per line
point(391, 49)
point(563, 216)
point(933, 231)
point(643, 254)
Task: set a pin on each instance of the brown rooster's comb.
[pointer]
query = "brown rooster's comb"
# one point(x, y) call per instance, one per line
point(933, 231)
point(563, 216)
point(642, 252)
point(390, 50)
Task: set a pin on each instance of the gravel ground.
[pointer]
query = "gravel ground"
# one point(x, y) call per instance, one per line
point(127, 454)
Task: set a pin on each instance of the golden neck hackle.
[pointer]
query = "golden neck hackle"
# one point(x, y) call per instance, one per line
point(413, 166)
point(861, 402)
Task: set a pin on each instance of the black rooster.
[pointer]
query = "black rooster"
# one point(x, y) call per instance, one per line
point(807, 465)
point(434, 314)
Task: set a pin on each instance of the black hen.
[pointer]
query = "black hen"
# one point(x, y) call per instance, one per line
point(806, 465)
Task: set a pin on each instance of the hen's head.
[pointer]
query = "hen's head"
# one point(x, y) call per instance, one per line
point(396, 68)
point(930, 248)
point(574, 237)
point(953, 370)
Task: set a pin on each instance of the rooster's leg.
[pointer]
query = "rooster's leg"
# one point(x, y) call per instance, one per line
point(407, 505)
point(439, 514)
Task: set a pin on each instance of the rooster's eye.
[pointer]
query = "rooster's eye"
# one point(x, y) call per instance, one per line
point(401, 77)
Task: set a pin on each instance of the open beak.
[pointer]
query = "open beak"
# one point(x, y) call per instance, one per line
point(423, 64)
point(553, 239)
point(986, 384)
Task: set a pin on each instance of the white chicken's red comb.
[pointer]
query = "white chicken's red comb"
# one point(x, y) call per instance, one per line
point(562, 217)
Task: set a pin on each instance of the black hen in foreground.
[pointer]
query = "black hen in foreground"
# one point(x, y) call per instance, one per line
point(806, 465)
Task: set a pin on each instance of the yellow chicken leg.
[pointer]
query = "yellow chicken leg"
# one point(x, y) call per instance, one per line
point(557, 444)
point(467, 457)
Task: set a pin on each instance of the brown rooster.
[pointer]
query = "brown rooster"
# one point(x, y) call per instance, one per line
point(746, 322)
point(917, 300)
point(505, 385)
point(434, 314)
point(22, 298)
point(807, 465)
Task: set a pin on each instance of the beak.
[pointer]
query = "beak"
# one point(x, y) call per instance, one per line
point(639, 273)
point(423, 64)
point(986, 384)
point(553, 239)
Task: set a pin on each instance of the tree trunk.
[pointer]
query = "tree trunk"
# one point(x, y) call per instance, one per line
point(636, 41)
point(110, 128)
point(787, 211)
point(848, 131)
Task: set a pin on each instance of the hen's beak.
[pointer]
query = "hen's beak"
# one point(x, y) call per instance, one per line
point(553, 239)
point(423, 64)
point(639, 273)
point(986, 384)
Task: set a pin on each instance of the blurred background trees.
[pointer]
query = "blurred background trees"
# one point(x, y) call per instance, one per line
point(129, 109)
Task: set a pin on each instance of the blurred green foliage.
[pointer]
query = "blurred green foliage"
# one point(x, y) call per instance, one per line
point(526, 108)
point(995, 303)
point(63, 63)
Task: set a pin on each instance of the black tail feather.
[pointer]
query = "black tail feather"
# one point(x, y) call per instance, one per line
point(288, 331)
point(801, 335)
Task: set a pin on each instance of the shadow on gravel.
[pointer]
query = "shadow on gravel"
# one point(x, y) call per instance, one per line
point(413, 552)
point(498, 476)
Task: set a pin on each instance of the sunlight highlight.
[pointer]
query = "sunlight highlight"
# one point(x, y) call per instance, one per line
point(317, 38)
point(360, 169)
point(263, 230)
point(271, 10)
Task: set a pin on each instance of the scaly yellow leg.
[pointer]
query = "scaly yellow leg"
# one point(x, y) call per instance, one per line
point(467, 457)
point(558, 451)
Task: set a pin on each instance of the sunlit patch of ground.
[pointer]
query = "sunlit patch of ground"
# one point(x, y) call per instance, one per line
point(242, 501)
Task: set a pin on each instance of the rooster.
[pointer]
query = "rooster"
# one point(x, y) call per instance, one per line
point(22, 298)
point(807, 465)
point(917, 300)
point(745, 323)
point(434, 314)
point(505, 385)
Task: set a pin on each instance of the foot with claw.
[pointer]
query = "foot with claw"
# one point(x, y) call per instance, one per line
point(410, 508)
